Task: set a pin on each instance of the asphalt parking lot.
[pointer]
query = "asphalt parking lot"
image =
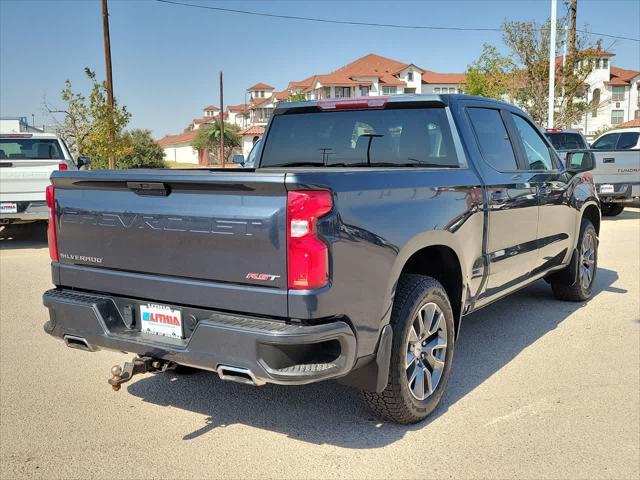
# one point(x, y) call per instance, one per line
point(540, 389)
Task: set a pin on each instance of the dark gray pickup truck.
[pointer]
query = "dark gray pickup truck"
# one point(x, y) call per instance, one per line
point(370, 228)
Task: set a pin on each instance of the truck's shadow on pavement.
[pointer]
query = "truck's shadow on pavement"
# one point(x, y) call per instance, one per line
point(27, 235)
point(330, 413)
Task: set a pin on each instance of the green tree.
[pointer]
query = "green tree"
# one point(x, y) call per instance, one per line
point(145, 153)
point(98, 144)
point(76, 123)
point(490, 75)
point(522, 76)
point(296, 97)
point(208, 138)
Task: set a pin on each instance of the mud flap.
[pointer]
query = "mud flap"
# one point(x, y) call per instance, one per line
point(374, 375)
point(568, 275)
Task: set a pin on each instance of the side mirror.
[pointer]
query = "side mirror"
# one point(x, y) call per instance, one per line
point(239, 159)
point(83, 161)
point(580, 161)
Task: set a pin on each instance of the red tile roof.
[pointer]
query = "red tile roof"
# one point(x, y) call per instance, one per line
point(179, 139)
point(451, 78)
point(302, 84)
point(260, 86)
point(252, 131)
point(631, 123)
point(372, 65)
point(258, 101)
point(621, 76)
point(237, 108)
point(388, 79)
point(283, 95)
point(210, 107)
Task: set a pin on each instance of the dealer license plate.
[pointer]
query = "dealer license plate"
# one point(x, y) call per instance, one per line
point(161, 320)
point(8, 207)
point(606, 188)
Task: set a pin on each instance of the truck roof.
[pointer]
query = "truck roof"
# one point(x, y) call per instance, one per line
point(28, 135)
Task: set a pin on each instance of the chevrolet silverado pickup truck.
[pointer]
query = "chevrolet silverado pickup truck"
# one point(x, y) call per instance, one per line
point(369, 228)
point(617, 171)
point(26, 162)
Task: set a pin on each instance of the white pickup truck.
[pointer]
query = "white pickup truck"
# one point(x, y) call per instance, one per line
point(617, 172)
point(26, 162)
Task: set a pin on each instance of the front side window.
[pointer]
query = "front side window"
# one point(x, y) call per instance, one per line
point(536, 149)
point(617, 94)
point(617, 116)
point(388, 90)
point(627, 140)
point(361, 138)
point(493, 139)
point(606, 142)
point(31, 148)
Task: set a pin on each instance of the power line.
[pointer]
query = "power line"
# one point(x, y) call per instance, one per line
point(366, 24)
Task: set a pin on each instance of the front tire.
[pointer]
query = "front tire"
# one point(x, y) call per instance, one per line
point(611, 209)
point(422, 351)
point(579, 287)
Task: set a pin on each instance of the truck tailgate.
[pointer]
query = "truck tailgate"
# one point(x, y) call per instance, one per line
point(175, 226)
point(617, 166)
point(25, 180)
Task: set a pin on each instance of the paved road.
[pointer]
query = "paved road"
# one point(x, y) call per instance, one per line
point(541, 389)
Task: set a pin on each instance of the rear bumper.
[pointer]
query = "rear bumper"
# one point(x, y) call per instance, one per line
point(623, 192)
point(27, 211)
point(274, 351)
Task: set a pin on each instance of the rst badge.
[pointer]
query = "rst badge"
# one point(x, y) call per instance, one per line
point(265, 277)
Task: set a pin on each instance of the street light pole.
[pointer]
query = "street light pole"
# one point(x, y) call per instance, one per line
point(221, 124)
point(107, 59)
point(552, 64)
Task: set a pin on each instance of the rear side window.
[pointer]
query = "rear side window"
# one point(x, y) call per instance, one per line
point(566, 141)
point(627, 140)
point(360, 138)
point(535, 148)
point(606, 142)
point(493, 139)
point(31, 148)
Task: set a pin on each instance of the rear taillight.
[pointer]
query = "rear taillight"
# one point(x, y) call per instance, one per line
point(307, 255)
point(353, 103)
point(52, 234)
point(63, 166)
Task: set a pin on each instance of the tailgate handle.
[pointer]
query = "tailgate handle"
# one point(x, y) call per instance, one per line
point(6, 164)
point(609, 160)
point(149, 188)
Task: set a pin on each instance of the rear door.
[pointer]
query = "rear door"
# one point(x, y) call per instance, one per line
point(557, 217)
point(513, 206)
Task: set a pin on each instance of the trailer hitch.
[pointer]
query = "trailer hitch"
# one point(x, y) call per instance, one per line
point(120, 375)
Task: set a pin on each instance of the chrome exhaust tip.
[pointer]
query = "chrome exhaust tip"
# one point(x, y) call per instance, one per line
point(77, 342)
point(240, 375)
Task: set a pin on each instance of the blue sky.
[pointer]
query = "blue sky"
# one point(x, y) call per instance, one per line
point(166, 58)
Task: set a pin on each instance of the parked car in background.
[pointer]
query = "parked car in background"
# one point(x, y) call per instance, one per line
point(367, 230)
point(566, 139)
point(26, 163)
point(617, 172)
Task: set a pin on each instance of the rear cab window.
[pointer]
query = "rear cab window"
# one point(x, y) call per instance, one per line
point(30, 148)
point(567, 141)
point(627, 140)
point(391, 137)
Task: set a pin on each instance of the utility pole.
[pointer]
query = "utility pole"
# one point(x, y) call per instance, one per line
point(573, 9)
point(107, 59)
point(552, 64)
point(221, 123)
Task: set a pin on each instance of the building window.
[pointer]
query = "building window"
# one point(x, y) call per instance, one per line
point(409, 76)
point(364, 91)
point(617, 116)
point(452, 90)
point(389, 90)
point(436, 90)
point(617, 94)
point(595, 103)
point(597, 63)
point(605, 63)
point(637, 114)
point(343, 92)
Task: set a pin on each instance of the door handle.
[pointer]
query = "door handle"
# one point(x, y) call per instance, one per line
point(609, 160)
point(544, 190)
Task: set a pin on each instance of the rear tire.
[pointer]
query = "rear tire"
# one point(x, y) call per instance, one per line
point(611, 209)
point(422, 351)
point(579, 287)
